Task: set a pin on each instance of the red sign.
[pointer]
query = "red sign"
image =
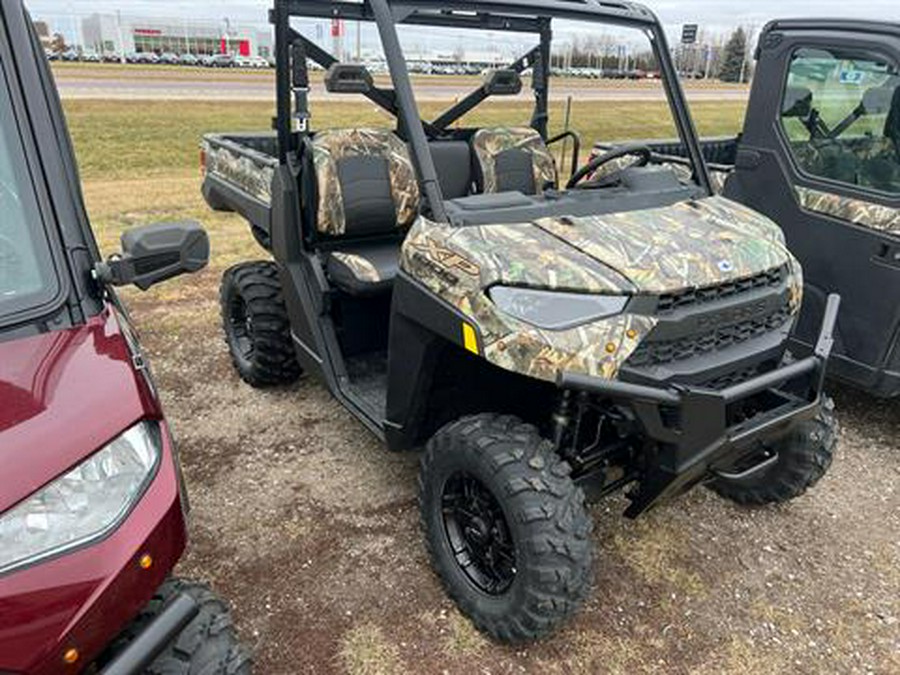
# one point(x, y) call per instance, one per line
point(337, 27)
point(147, 31)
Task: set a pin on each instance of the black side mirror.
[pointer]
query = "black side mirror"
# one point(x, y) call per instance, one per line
point(502, 82)
point(154, 253)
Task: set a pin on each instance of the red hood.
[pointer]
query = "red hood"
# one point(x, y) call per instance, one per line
point(63, 395)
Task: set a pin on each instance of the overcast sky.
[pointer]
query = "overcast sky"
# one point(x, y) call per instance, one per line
point(714, 15)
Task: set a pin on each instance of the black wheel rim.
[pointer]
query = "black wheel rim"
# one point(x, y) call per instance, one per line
point(478, 534)
point(241, 327)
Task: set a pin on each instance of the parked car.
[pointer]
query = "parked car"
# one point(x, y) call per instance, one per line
point(112, 57)
point(91, 57)
point(222, 61)
point(251, 62)
point(93, 507)
point(188, 60)
point(168, 58)
point(543, 340)
point(70, 55)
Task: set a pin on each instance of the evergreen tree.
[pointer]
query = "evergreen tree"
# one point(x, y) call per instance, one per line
point(734, 56)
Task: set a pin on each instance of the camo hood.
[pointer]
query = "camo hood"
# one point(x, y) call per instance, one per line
point(664, 250)
point(686, 245)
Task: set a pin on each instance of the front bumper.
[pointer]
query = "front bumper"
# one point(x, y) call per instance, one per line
point(692, 426)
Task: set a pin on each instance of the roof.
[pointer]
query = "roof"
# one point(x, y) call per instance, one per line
point(513, 15)
point(834, 24)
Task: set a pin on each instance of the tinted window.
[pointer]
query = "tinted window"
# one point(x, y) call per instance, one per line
point(841, 114)
point(27, 276)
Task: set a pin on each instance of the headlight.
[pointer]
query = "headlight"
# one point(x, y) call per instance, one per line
point(553, 310)
point(84, 504)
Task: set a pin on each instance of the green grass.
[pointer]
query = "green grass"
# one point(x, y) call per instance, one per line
point(118, 140)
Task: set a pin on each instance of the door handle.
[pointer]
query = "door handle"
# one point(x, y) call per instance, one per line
point(888, 255)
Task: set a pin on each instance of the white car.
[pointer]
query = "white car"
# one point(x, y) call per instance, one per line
point(250, 62)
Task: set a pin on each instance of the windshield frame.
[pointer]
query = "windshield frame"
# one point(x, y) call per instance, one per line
point(24, 154)
point(523, 16)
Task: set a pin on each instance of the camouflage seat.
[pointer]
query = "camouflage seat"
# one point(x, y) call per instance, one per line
point(511, 159)
point(367, 190)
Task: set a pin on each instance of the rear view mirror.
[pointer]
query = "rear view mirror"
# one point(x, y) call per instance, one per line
point(348, 78)
point(878, 100)
point(502, 82)
point(154, 253)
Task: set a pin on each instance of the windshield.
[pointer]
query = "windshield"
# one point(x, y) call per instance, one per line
point(27, 276)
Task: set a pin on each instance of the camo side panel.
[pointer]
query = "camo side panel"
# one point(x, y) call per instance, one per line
point(331, 145)
point(686, 245)
point(459, 263)
point(362, 269)
point(488, 143)
point(875, 216)
point(252, 177)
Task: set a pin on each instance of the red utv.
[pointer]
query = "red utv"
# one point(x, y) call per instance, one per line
point(92, 505)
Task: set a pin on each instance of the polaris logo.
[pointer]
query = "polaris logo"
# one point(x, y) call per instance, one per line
point(733, 315)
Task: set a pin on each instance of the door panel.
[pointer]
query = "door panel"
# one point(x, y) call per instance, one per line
point(825, 125)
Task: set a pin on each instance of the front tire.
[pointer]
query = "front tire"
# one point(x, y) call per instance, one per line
point(208, 645)
point(256, 325)
point(505, 526)
point(804, 456)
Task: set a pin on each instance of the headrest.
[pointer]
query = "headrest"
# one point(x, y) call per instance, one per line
point(502, 82)
point(878, 100)
point(348, 78)
point(797, 102)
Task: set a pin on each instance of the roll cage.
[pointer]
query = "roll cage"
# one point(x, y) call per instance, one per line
point(292, 50)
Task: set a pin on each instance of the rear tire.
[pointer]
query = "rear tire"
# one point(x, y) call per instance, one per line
point(256, 325)
point(804, 456)
point(208, 645)
point(524, 568)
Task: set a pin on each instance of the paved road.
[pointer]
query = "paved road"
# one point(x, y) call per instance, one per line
point(128, 86)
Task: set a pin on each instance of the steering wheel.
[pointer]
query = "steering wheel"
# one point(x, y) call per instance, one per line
point(643, 153)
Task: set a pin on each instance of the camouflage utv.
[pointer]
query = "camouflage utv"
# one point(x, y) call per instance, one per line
point(547, 340)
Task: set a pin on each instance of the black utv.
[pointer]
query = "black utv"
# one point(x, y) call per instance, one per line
point(546, 339)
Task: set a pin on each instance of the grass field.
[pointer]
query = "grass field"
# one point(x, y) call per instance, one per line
point(309, 528)
point(119, 139)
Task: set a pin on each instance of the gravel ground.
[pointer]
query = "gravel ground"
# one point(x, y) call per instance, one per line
point(309, 527)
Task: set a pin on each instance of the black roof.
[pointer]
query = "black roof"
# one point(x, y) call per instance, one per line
point(514, 15)
point(840, 25)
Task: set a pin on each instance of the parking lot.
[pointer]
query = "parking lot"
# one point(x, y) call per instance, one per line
point(135, 82)
point(310, 528)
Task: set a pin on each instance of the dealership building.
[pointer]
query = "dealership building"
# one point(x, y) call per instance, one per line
point(119, 34)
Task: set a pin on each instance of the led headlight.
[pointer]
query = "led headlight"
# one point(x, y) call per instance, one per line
point(84, 504)
point(553, 310)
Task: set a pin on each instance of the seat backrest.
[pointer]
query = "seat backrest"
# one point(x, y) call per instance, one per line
point(453, 165)
point(365, 181)
point(513, 159)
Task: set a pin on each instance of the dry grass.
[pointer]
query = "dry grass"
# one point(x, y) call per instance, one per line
point(657, 551)
point(366, 651)
point(125, 140)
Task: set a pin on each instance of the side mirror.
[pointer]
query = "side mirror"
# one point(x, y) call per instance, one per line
point(154, 253)
point(502, 82)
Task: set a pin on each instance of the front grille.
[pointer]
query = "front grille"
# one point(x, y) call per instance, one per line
point(652, 353)
point(669, 302)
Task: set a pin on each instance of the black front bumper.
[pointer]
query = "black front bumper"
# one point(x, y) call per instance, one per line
point(154, 637)
point(690, 425)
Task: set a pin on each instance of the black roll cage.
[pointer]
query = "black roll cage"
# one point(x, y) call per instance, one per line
point(292, 50)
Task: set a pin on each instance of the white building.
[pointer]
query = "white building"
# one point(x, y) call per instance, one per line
point(119, 34)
